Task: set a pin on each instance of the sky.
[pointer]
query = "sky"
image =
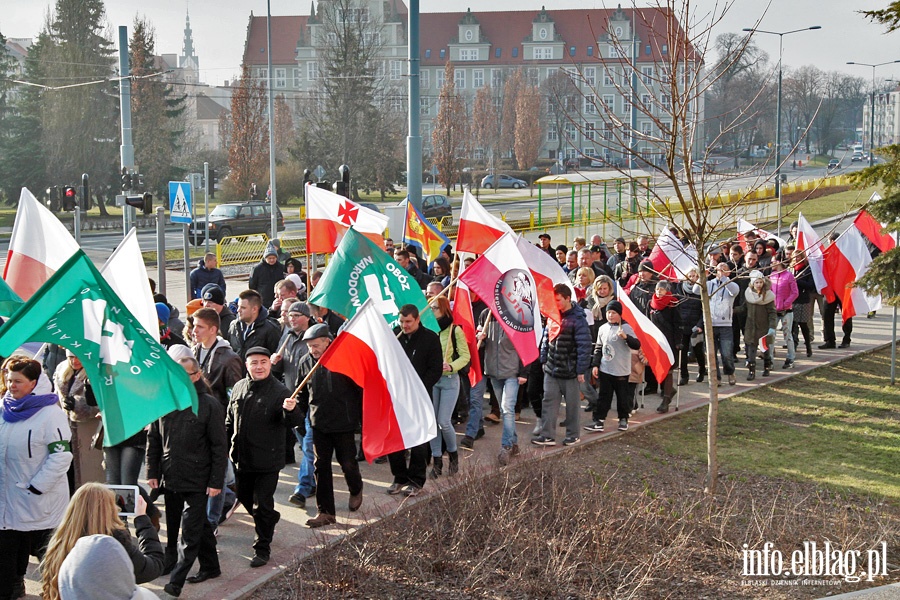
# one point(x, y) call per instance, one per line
point(220, 26)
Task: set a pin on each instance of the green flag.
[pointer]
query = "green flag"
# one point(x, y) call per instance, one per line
point(360, 270)
point(9, 300)
point(134, 379)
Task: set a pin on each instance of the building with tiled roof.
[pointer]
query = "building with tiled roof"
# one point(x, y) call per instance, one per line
point(486, 48)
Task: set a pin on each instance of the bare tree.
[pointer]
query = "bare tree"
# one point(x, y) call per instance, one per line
point(449, 134)
point(508, 120)
point(485, 122)
point(529, 131)
point(562, 97)
point(248, 152)
point(284, 128)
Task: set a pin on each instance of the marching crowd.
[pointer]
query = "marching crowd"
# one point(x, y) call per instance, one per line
point(247, 359)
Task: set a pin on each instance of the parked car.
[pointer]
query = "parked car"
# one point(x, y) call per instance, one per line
point(834, 164)
point(370, 206)
point(502, 181)
point(237, 218)
point(437, 206)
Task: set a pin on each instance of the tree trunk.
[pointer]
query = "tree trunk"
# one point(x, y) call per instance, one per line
point(101, 204)
point(712, 418)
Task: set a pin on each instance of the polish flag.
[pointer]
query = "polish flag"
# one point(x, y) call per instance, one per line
point(126, 274)
point(465, 318)
point(670, 258)
point(874, 231)
point(329, 215)
point(809, 242)
point(40, 244)
point(846, 260)
point(653, 343)
point(397, 411)
point(478, 228)
point(547, 273)
point(744, 227)
point(764, 343)
point(502, 279)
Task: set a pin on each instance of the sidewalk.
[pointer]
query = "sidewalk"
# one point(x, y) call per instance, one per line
point(293, 539)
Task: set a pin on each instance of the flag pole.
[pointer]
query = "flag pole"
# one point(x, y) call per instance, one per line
point(303, 383)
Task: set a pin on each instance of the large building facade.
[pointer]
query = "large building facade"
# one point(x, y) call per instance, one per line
point(887, 119)
point(616, 58)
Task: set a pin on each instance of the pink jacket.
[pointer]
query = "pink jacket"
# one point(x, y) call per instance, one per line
point(785, 287)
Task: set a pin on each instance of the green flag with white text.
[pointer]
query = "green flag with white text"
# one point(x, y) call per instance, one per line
point(9, 300)
point(360, 270)
point(134, 379)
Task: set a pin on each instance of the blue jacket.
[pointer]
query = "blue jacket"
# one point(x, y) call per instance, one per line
point(569, 354)
point(201, 276)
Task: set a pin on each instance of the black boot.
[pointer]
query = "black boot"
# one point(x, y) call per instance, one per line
point(18, 589)
point(767, 368)
point(437, 468)
point(683, 380)
point(808, 349)
point(752, 375)
point(664, 406)
point(701, 376)
point(454, 462)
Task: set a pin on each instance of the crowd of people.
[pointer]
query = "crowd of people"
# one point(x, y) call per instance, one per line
point(246, 359)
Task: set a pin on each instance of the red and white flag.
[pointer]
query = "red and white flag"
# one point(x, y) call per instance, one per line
point(874, 231)
point(39, 246)
point(846, 260)
point(502, 279)
point(397, 411)
point(744, 227)
point(672, 259)
point(329, 215)
point(478, 228)
point(764, 343)
point(547, 273)
point(654, 344)
point(809, 242)
point(465, 318)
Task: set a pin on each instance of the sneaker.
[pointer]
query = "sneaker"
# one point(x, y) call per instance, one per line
point(467, 442)
point(623, 425)
point(411, 490)
point(298, 500)
point(394, 489)
point(788, 364)
point(595, 427)
point(216, 531)
point(732, 380)
point(503, 457)
point(843, 345)
point(571, 441)
point(230, 511)
point(543, 441)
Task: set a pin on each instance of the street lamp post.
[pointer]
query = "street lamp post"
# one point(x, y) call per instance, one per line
point(780, 35)
point(872, 107)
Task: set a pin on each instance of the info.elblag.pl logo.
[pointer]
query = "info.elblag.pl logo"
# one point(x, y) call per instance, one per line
point(816, 560)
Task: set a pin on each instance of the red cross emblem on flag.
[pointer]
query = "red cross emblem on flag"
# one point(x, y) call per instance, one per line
point(347, 213)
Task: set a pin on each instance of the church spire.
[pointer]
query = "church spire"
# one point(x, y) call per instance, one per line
point(187, 54)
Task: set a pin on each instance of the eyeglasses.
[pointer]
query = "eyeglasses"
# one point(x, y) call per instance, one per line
point(192, 373)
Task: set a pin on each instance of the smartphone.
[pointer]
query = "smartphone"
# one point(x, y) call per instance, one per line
point(126, 498)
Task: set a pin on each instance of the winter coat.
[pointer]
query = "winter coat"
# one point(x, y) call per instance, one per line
point(187, 452)
point(425, 353)
point(761, 315)
point(226, 318)
point(263, 278)
point(147, 555)
point(262, 332)
point(256, 424)
point(71, 385)
point(463, 358)
point(334, 322)
point(785, 288)
point(202, 276)
point(501, 360)
point(293, 349)
point(36, 453)
point(333, 400)
point(721, 300)
point(668, 321)
point(568, 355)
point(222, 368)
point(420, 276)
point(806, 285)
point(641, 292)
point(690, 307)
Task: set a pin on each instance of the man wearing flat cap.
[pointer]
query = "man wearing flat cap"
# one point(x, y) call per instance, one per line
point(258, 412)
point(333, 403)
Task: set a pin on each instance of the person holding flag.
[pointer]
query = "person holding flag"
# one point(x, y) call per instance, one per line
point(612, 366)
point(761, 320)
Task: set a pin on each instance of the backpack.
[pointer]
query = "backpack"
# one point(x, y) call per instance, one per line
point(464, 372)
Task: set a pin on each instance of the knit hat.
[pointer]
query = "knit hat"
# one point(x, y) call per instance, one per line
point(614, 306)
point(97, 567)
point(193, 306)
point(754, 274)
point(300, 307)
point(271, 250)
point(214, 295)
point(298, 283)
point(647, 265)
point(162, 312)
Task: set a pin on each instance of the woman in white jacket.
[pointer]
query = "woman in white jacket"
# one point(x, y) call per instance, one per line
point(35, 453)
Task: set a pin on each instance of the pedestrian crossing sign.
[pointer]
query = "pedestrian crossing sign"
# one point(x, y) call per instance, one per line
point(180, 202)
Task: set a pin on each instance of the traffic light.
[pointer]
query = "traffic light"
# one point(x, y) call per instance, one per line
point(126, 180)
point(69, 198)
point(144, 203)
point(342, 186)
point(53, 198)
point(140, 181)
point(213, 180)
point(87, 203)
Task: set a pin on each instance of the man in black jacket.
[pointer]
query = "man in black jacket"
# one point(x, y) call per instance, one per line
point(266, 274)
point(186, 453)
point(259, 410)
point(334, 404)
point(423, 348)
point(253, 327)
point(402, 257)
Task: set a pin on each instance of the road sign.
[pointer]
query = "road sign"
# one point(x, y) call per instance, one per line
point(319, 172)
point(180, 202)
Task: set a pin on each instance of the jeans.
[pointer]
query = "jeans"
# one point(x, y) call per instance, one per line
point(123, 464)
point(510, 387)
point(197, 538)
point(306, 480)
point(476, 403)
point(215, 504)
point(444, 396)
point(787, 321)
point(343, 446)
point(723, 338)
point(554, 391)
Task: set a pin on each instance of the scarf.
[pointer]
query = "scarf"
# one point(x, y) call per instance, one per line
point(25, 408)
point(662, 303)
point(599, 305)
point(445, 321)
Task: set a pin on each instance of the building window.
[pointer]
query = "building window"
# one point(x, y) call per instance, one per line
point(331, 39)
point(439, 78)
point(571, 50)
point(498, 52)
point(589, 128)
point(571, 132)
point(478, 78)
point(280, 78)
point(496, 78)
point(478, 154)
point(354, 15)
point(312, 71)
point(647, 50)
point(533, 77)
point(396, 70)
point(515, 52)
point(606, 132)
point(590, 106)
point(590, 76)
point(469, 54)
point(609, 102)
point(665, 101)
point(626, 106)
point(665, 48)
point(647, 101)
point(459, 79)
point(543, 54)
point(379, 69)
point(608, 76)
point(647, 128)
point(647, 75)
point(428, 53)
point(425, 107)
point(424, 80)
point(663, 75)
point(372, 38)
point(552, 135)
point(443, 53)
point(298, 77)
point(590, 50)
point(262, 74)
point(396, 104)
point(589, 152)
